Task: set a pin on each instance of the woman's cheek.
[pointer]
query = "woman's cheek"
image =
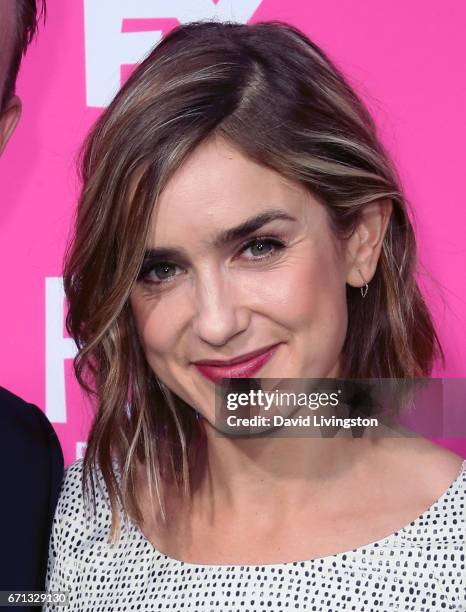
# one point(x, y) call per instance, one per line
point(291, 291)
point(158, 321)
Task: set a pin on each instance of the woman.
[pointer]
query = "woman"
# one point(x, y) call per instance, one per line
point(239, 218)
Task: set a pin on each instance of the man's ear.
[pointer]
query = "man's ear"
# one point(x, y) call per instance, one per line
point(365, 244)
point(9, 117)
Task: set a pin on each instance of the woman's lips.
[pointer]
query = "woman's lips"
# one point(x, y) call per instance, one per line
point(242, 369)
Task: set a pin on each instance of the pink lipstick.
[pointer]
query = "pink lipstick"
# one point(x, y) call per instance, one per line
point(244, 366)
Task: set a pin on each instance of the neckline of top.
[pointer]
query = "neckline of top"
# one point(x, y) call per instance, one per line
point(380, 543)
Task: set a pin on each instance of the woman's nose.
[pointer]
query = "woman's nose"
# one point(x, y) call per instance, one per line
point(219, 314)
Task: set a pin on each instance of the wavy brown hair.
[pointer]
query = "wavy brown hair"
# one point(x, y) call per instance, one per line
point(274, 95)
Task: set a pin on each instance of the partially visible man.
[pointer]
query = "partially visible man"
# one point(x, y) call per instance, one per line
point(31, 460)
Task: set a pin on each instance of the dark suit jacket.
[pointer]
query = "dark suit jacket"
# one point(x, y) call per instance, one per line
point(31, 471)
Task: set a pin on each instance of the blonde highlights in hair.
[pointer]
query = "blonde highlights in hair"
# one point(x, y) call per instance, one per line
point(273, 94)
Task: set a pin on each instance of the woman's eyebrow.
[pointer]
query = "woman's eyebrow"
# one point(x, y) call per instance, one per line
point(224, 237)
point(249, 226)
point(163, 254)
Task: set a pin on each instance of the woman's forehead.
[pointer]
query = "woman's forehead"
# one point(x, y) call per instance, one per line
point(219, 187)
point(218, 169)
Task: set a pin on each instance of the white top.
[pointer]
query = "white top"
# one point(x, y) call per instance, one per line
point(421, 567)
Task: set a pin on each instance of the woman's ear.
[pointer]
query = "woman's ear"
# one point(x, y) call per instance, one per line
point(365, 244)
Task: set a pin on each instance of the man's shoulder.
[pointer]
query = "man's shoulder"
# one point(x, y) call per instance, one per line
point(26, 434)
point(17, 414)
point(31, 470)
point(9, 398)
point(11, 404)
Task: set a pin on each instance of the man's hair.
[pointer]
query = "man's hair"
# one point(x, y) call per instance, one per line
point(26, 20)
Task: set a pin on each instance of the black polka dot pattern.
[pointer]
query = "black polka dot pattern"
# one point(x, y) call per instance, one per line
point(421, 567)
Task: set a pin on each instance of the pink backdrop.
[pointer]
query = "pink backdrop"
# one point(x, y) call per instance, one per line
point(405, 58)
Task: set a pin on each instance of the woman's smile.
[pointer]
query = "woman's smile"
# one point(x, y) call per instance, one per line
point(244, 366)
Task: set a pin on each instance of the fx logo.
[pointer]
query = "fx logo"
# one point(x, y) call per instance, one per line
point(108, 47)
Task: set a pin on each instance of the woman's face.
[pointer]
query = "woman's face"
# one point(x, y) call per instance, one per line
point(239, 260)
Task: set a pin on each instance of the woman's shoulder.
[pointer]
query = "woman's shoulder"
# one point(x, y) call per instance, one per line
point(442, 526)
point(80, 532)
point(438, 479)
point(71, 488)
point(425, 480)
point(74, 471)
point(79, 508)
point(441, 469)
point(430, 467)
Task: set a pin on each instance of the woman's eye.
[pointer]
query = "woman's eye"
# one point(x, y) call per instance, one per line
point(259, 248)
point(161, 272)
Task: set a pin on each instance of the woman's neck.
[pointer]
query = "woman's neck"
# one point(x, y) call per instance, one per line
point(275, 475)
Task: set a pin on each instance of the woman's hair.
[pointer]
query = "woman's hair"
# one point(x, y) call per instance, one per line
point(273, 94)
